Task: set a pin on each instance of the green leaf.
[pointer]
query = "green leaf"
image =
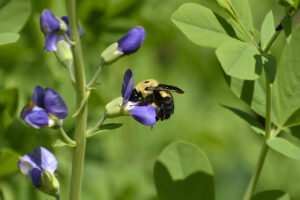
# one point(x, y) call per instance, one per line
point(242, 9)
point(227, 5)
point(182, 171)
point(8, 162)
point(14, 15)
point(252, 121)
point(267, 29)
point(6, 38)
point(240, 12)
point(8, 107)
point(286, 86)
point(200, 25)
point(287, 26)
point(240, 60)
point(270, 66)
point(106, 127)
point(284, 147)
point(290, 3)
point(286, 93)
point(271, 195)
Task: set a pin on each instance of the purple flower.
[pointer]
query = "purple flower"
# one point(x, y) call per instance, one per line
point(145, 114)
point(46, 108)
point(33, 165)
point(132, 41)
point(53, 29)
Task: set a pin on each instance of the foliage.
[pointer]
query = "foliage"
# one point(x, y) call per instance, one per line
point(120, 165)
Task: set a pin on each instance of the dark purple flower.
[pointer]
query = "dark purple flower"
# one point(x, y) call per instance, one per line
point(34, 164)
point(145, 114)
point(54, 29)
point(132, 41)
point(46, 108)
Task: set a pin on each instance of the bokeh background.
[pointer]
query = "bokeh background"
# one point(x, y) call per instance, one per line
point(119, 164)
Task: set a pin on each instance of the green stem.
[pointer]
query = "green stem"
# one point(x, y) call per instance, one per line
point(72, 43)
point(254, 179)
point(270, 43)
point(265, 148)
point(69, 68)
point(97, 126)
point(81, 119)
point(93, 80)
point(66, 137)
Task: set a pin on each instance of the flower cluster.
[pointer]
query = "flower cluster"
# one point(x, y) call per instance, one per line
point(46, 108)
point(54, 29)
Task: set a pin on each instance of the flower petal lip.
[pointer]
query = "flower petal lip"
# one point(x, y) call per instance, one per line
point(145, 114)
point(51, 41)
point(48, 22)
point(55, 104)
point(36, 117)
point(127, 86)
point(35, 177)
point(132, 40)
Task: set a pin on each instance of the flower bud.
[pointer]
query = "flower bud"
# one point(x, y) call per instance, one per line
point(64, 53)
point(49, 184)
point(128, 44)
point(111, 54)
point(114, 108)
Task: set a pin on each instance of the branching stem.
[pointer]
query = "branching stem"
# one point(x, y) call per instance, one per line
point(81, 119)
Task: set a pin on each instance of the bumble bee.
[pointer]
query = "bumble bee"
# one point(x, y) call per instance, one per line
point(159, 95)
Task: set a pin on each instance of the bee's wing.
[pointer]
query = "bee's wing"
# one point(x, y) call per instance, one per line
point(163, 87)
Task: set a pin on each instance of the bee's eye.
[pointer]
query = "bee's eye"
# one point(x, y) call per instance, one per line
point(146, 82)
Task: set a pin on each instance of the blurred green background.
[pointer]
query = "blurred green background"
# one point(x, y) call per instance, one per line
point(119, 164)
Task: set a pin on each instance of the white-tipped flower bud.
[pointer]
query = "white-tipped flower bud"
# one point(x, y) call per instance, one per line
point(49, 184)
point(64, 53)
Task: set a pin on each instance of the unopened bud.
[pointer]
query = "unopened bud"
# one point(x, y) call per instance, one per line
point(49, 184)
point(64, 53)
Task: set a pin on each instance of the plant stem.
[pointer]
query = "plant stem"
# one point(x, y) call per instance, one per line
point(81, 119)
point(265, 147)
point(93, 80)
point(66, 137)
point(270, 43)
point(255, 176)
point(97, 126)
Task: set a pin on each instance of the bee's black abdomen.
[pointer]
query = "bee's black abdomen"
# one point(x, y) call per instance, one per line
point(165, 106)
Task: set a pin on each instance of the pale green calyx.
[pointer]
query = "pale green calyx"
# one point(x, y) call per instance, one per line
point(49, 184)
point(111, 54)
point(63, 27)
point(114, 108)
point(64, 53)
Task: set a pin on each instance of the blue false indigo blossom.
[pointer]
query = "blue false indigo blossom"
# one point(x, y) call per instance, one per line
point(46, 109)
point(128, 44)
point(145, 114)
point(39, 166)
point(54, 29)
